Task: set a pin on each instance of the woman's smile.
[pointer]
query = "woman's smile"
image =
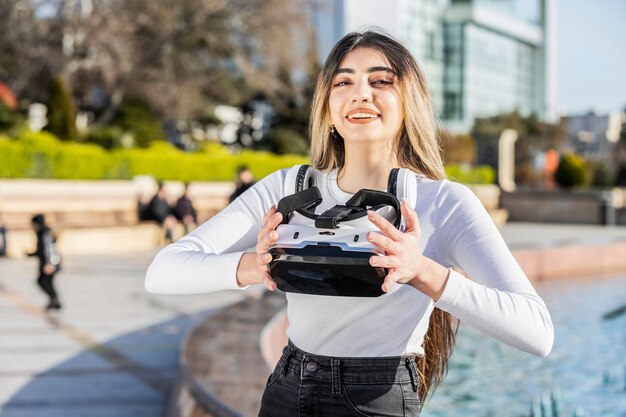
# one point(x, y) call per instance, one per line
point(362, 115)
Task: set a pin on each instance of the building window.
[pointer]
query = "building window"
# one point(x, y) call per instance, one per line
point(452, 106)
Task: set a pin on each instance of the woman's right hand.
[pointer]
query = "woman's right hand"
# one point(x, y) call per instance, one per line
point(252, 267)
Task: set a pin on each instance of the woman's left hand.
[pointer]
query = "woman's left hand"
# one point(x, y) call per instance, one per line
point(402, 256)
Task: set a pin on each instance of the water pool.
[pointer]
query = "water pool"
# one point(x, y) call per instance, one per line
point(586, 370)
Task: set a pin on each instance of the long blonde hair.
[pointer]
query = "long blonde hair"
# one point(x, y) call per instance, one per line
point(416, 148)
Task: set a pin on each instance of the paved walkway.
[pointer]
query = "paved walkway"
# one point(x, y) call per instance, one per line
point(113, 350)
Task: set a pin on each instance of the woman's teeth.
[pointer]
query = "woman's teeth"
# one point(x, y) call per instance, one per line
point(362, 116)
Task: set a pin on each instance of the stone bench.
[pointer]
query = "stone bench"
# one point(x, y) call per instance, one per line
point(96, 216)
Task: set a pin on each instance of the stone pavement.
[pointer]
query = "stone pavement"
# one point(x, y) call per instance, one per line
point(113, 349)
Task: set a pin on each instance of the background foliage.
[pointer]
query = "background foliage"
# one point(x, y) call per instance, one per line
point(41, 155)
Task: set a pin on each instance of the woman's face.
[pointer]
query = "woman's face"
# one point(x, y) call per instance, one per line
point(364, 102)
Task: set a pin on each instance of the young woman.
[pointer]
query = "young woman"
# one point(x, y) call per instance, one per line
point(370, 356)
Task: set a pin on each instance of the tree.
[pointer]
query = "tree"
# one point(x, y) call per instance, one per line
point(61, 112)
point(136, 117)
point(180, 55)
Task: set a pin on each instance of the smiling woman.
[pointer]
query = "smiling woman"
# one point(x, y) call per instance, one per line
point(356, 356)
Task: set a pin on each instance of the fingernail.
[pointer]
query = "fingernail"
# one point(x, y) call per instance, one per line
point(277, 216)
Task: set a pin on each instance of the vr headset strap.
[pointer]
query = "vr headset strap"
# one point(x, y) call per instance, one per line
point(304, 200)
point(359, 202)
point(365, 198)
point(331, 217)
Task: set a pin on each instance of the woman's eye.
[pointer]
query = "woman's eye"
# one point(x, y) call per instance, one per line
point(340, 83)
point(382, 82)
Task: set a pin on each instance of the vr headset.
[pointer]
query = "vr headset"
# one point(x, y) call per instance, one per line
point(328, 253)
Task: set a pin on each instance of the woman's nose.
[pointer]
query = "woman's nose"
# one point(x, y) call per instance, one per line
point(362, 93)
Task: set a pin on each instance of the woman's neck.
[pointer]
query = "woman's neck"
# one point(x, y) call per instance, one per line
point(365, 167)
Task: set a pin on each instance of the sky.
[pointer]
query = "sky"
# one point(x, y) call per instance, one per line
point(591, 55)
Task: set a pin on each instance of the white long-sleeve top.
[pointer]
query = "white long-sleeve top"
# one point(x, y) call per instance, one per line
point(456, 231)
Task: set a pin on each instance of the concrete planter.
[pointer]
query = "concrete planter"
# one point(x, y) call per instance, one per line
point(489, 196)
point(580, 207)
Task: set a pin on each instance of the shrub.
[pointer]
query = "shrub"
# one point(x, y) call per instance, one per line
point(163, 161)
point(42, 155)
point(481, 174)
point(602, 175)
point(571, 171)
point(14, 162)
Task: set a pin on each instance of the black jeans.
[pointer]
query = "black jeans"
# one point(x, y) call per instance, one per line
point(307, 385)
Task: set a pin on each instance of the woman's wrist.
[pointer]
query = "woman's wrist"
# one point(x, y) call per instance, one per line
point(432, 279)
point(247, 270)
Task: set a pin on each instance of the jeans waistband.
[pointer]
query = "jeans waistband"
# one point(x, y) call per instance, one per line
point(350, 370)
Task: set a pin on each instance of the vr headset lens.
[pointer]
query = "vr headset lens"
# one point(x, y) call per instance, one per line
point(326, 270)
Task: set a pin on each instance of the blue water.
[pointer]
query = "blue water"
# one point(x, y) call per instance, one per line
point(586, 371)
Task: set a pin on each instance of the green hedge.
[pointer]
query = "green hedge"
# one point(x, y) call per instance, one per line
point(42, 155)
point(482, 174)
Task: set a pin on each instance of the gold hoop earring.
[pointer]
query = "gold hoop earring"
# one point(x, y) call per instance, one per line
point(332, 128)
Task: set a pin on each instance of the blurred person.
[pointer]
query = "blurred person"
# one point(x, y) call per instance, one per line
point(185, 212)
point(245, 180)
point(3, 240)
point(353, 356)
point(159, 210)
point(49, 259)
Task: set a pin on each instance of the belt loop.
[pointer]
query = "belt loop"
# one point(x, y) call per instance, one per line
point(335, 364)
point(285, 359)
point(410, 365)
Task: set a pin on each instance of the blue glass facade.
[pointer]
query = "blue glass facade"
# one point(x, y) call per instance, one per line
point(481, 57)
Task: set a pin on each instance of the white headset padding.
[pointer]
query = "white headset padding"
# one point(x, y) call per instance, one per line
point(299, 219)
point(291, 179)
point(406, 186)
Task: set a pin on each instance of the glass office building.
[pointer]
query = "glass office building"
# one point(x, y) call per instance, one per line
point(481, 57)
